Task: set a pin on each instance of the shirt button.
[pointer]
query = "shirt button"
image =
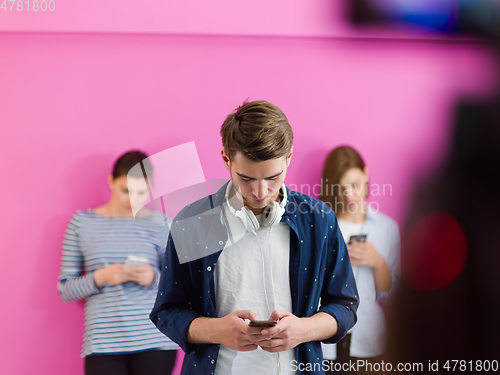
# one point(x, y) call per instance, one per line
point(212, 361)
point(209, 268)
point(221, 243)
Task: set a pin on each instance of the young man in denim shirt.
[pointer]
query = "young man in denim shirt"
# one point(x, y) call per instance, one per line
point(255, 250)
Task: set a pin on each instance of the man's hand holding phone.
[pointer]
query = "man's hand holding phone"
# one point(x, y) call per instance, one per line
point(262, 323)
point(232, 330)
point(235, 333)
point(291, 330)
point(288, 332)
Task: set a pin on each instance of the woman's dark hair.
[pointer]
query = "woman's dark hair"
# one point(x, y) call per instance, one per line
point(125, 163)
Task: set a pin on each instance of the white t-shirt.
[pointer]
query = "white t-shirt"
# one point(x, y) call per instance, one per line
point(243, 278)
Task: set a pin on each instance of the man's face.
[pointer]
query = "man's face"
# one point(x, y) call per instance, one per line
point(258, 183)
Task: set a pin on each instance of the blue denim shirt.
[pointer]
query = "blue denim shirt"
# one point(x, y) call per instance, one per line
point(321, 278)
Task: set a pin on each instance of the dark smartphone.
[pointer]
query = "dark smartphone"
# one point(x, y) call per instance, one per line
point(358, 238)
point(262, 323)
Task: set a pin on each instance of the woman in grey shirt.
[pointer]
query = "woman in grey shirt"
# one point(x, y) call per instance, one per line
point(373, 242)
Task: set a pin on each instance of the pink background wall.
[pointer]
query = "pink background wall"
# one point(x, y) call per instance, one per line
point(70, 103)
point(320, 18)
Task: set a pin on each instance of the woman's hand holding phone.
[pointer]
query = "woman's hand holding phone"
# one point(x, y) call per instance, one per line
point(364, 254)
point(114, 274)
point(143, 275)
point(118, 273)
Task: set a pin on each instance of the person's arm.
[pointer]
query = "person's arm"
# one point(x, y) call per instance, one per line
point(174, 316)
point(382, 275)
point(365, 254)
point(162, 244)
point(117, 273)
point(235, 333)
point(232, 331)
point(172, 313)
point(72, 285)
point(393, 262)
point(339, 295)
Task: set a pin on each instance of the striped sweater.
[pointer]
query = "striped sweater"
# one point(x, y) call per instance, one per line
point(116, 317)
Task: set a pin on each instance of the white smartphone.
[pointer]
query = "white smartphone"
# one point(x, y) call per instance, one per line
point(134, 261)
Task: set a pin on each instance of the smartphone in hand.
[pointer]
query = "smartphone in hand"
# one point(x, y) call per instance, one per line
point(358, 238)
point(262, 323)
point(135, 261)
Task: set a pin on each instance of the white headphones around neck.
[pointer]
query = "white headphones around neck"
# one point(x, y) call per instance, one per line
point(271, 215)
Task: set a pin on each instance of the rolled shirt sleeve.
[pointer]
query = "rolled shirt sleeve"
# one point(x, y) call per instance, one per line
point(339, 296)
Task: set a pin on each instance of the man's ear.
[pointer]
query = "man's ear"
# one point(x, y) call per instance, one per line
point(225, 159)
point(366, 172)
point(289, 157)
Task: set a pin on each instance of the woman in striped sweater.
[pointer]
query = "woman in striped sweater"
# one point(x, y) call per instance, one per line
point(119, 338)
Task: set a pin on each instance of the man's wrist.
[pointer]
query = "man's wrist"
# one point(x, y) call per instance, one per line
point(203, 330)
point(308, 330)
point(321, 326)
